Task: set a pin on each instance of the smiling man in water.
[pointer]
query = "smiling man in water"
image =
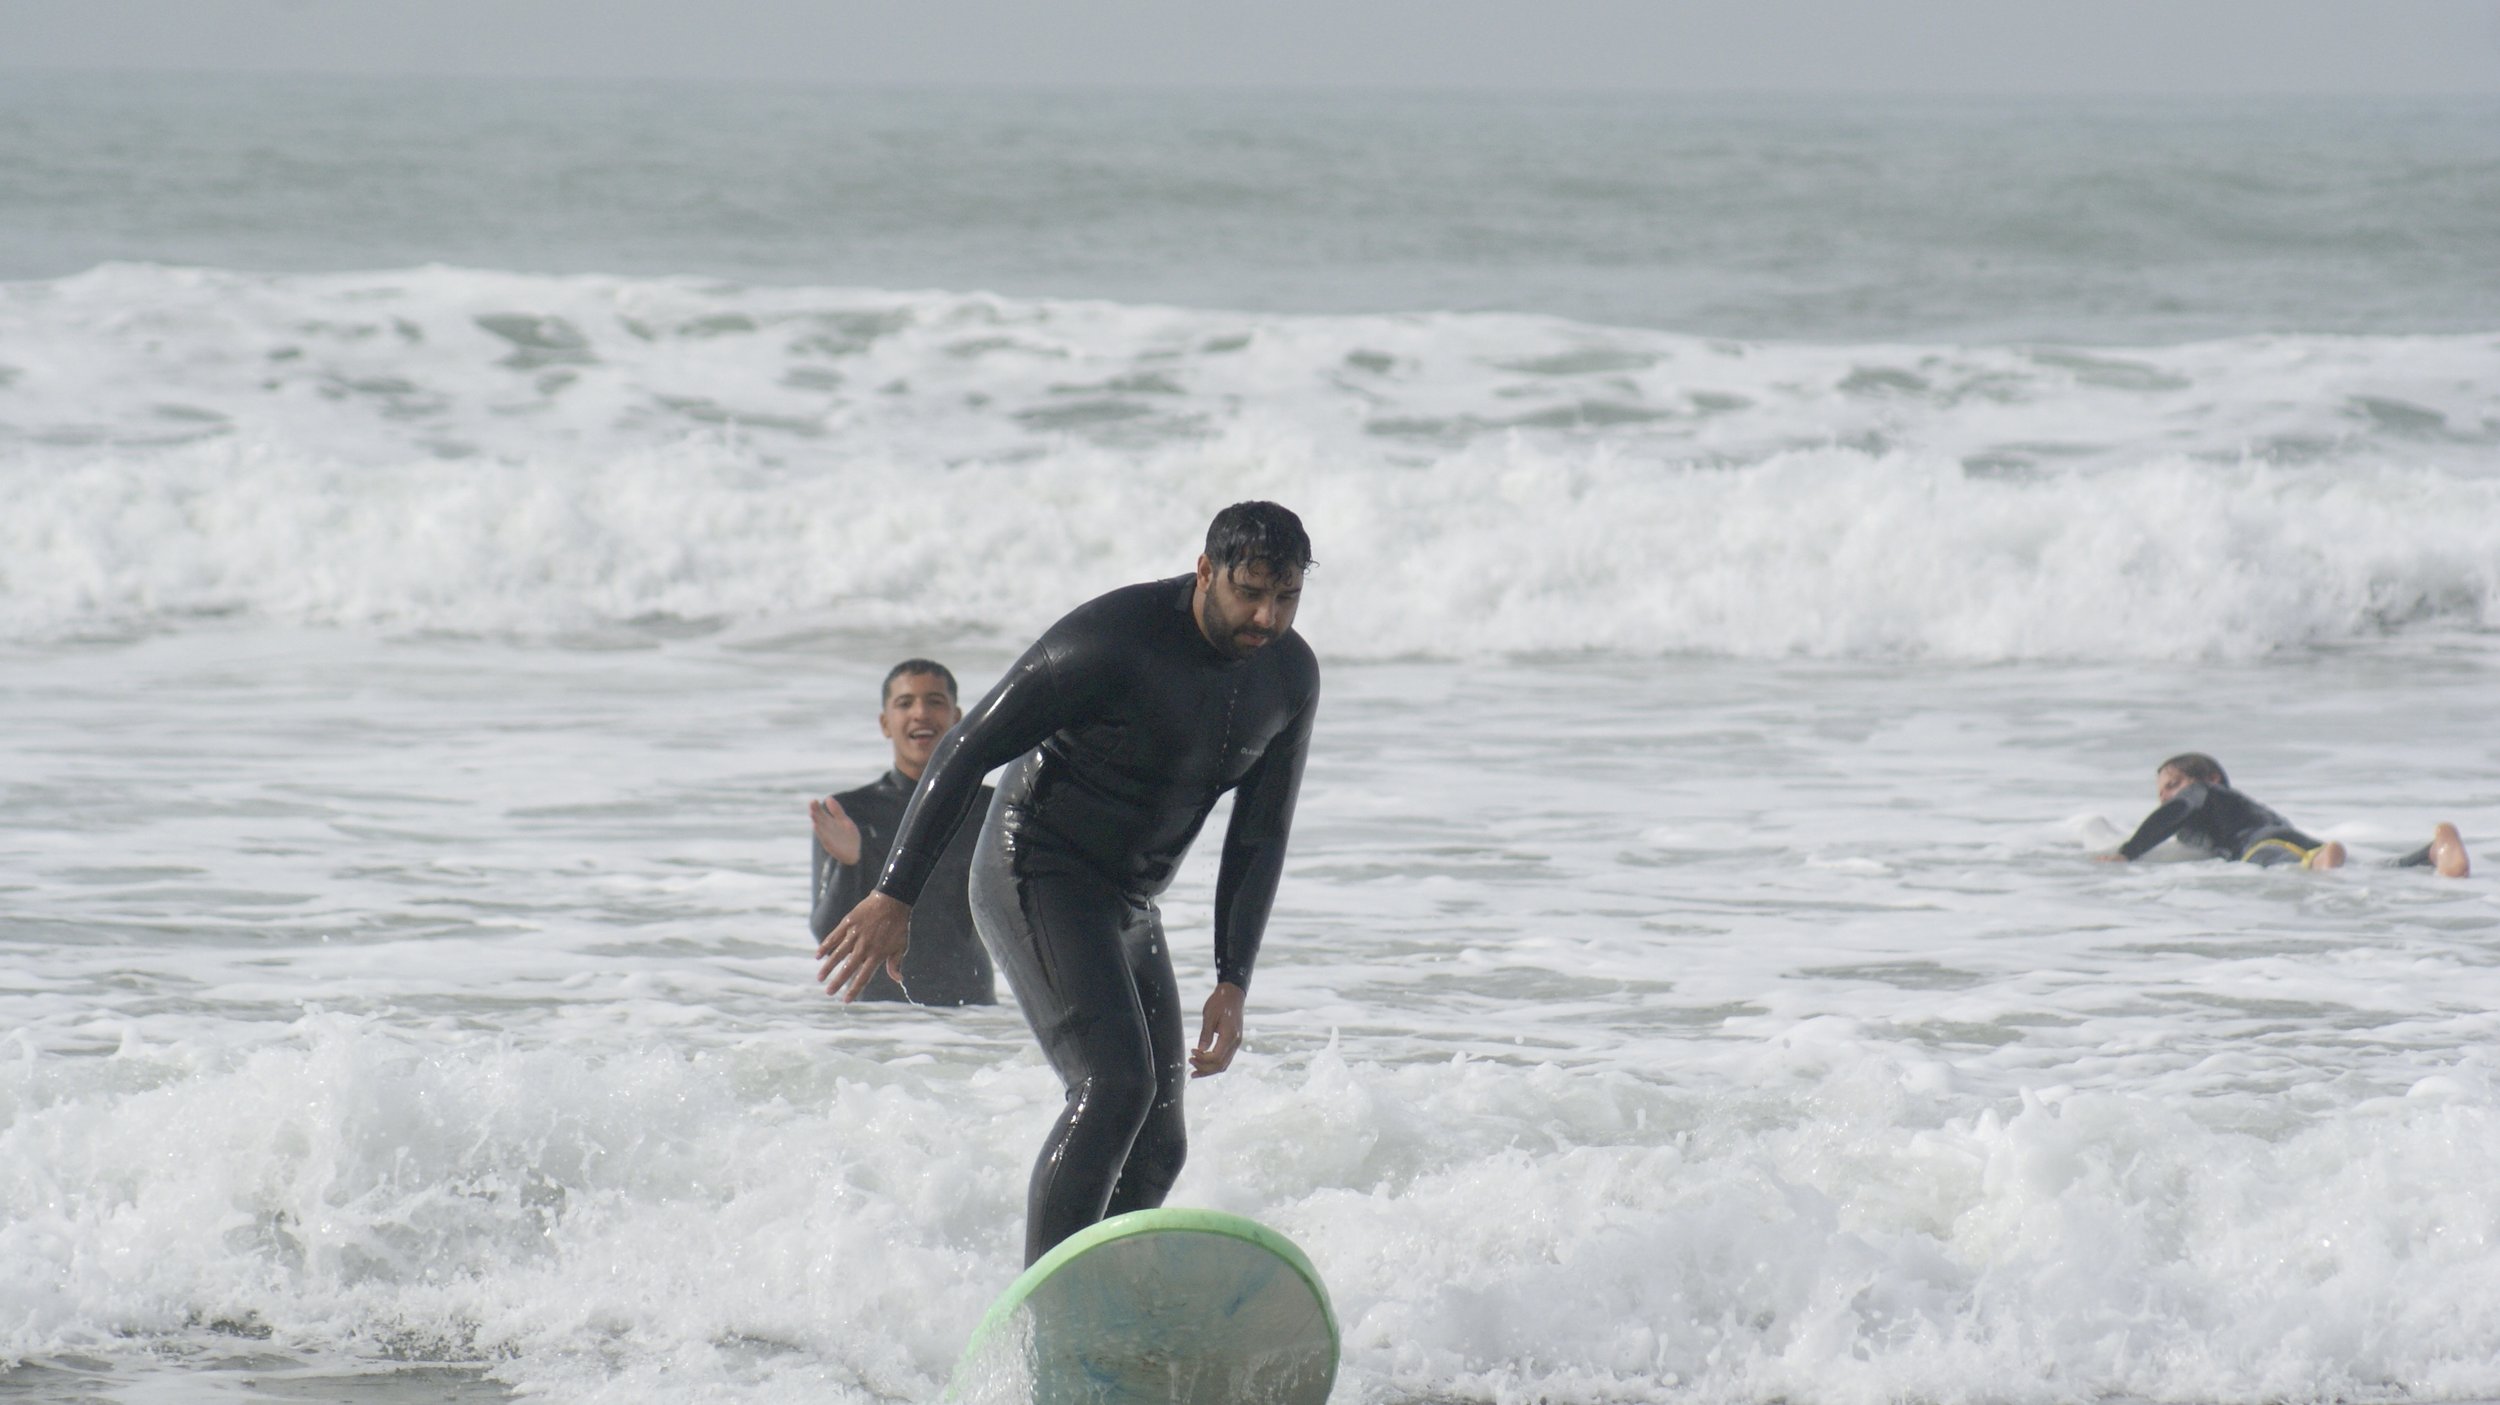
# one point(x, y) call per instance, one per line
point(854, 830)
point(1125, 722)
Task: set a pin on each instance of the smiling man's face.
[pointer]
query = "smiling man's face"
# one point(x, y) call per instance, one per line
point(918, 710)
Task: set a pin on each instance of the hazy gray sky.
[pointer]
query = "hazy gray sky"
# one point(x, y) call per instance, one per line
point(1934, 46)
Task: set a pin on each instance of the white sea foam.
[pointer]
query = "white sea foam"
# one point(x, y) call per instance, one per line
point(1634, 1028)
point(1630, 1030)
point(478, 452)
point(776, 1221)
point(1697, 993)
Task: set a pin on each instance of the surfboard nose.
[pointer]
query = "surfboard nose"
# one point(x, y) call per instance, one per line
point(1158, 1307)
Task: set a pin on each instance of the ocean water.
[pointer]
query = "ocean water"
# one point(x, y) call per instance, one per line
point(447, 532)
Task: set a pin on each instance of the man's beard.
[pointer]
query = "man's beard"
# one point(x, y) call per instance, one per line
point(1226, 640)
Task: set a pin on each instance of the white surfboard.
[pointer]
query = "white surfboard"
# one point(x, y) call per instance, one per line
point(1158, 1307)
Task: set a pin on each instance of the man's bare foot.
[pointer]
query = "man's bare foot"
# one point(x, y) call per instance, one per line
point(2327, 855)
point(2448, 853)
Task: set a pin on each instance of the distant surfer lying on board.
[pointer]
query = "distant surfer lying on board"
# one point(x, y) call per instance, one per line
point(2201, 810)
point(1125, 721)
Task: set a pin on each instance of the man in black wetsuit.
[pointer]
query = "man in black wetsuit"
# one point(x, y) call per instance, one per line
point(2201, 810)
point(1125, 722)
point(854, 830)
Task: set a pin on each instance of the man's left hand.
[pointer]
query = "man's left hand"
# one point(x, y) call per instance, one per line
point(836, 833)
point(1220, 1036)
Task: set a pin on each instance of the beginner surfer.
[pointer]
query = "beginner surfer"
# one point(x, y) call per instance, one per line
point(2201, 810)
point(1125, 722)
point(855, 829)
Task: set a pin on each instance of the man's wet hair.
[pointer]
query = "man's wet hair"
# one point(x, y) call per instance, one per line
point(910, 666)
point(2196, 766)
point(1262, 532)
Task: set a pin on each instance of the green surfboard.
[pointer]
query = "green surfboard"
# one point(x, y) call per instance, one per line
point(1158, 1307)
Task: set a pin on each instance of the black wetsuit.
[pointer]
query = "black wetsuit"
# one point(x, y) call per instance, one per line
point(2220, 823)
point(1129, 725)
point(946, 964)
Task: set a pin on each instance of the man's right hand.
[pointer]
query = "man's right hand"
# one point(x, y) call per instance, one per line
point(836, 833)
point(876, 933)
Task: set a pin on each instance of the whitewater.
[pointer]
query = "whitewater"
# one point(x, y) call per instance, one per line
point(1690, 981)
point(441, 449)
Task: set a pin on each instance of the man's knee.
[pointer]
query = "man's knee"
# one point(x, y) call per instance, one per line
point(1123, 1095)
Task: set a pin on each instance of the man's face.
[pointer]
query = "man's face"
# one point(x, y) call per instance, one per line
point(2169, 781)
point(1245, 608)
point(917, 712)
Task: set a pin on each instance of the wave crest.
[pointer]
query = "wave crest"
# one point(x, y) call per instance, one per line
point(1507, 548)
point(441, 449)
